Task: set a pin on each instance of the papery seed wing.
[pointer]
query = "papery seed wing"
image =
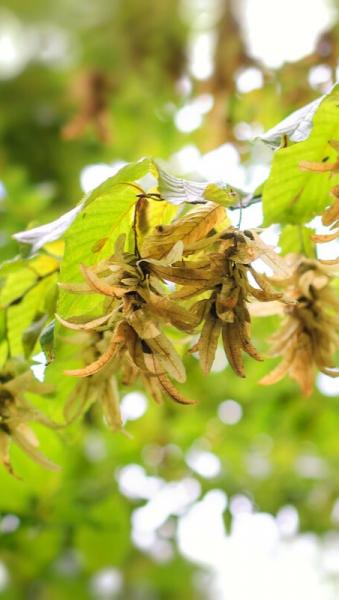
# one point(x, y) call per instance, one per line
point(23, 441)
point(188, 291)
point(278, 265)
point(227, 298)
point(285, 339)
point(168, 357)
point(200, 309)
point(233, 348)
point(153, 388)
point(201, 221)
point(172, 391)
point(182, 275)
point(120, 245)
point(76, 288)
point(208, 342)
point(139, 357)
point(144, 361)
point(247, 346)
point(324, 238)
point(189, 229)
point(129, 372)
point(242, 313)
point(173, 313)
point(77, 402)
point(142, 324)
point(95, 283)
point(33, 414)
point(331, 214)
point(278, 372)
point(302, 367)
point(153, 364)
point(202, 244)
point(98, 364)
point(27, 382)
point(78, 326)
point(134, 348)
point(268, 292)
point(5, 458)
point(122, 332)
point(258, 309)
point(318, 167)
point(322, 348)
point(330, 372)
point(175, 254)
point(264, 296)
point(110, 403)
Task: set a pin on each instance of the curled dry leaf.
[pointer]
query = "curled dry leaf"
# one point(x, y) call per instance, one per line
point(98, 364)
point(208, 342)
point(191, 228)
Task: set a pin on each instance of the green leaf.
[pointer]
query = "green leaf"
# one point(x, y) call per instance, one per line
point(16, 285)
point(39, 264)
point(3, 353)
point(297, 239)
point(292, 195)
point(2, 324)
point(128, 174)
point(296, 127)
point(224, 195)
point(39, 236)
point(31, 334)
point(11, 266)
point(21, 314)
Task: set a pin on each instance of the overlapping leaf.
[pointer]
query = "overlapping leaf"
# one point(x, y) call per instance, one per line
point(293, 195)
point(297, 126)
point(177, 190)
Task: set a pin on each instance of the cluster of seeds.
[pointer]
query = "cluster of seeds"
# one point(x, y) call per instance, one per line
point(189, 283)
point(193, 275)
point(16, 414)
point(309, 333)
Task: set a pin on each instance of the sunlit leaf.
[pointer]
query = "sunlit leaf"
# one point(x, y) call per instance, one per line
point(293, 195)
point(298, 239)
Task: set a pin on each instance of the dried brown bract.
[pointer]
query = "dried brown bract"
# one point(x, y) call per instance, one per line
point(193, 230)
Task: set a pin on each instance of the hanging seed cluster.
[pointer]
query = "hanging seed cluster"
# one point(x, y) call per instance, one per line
point(192, 278)
point(309, 333)
point(188, 286)
point(16, 414)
